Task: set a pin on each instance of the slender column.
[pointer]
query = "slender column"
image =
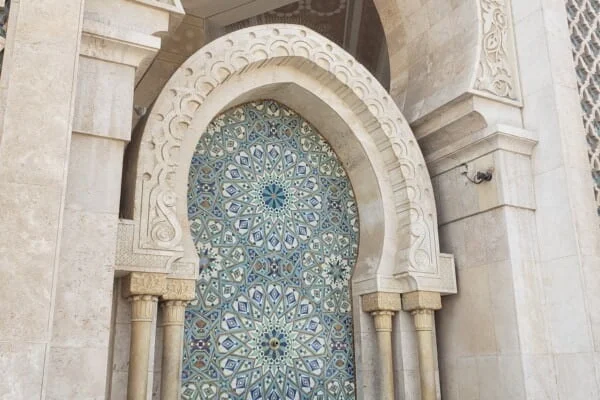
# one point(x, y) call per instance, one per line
point(382, 307)
point(422, 306)
point(142, 290)
point(179, 293)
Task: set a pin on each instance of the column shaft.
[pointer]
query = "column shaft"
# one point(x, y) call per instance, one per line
point(142, 310)
point(173, 313)
point(382, 306)
point(422, 306)
point(383, 327)
point(424, 327)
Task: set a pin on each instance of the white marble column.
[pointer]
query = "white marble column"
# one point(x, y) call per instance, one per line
point(142, 290)
point(422, 306)
point(179, 293)
point(382, 306)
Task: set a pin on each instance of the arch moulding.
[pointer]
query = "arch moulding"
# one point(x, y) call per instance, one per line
point(300, 68)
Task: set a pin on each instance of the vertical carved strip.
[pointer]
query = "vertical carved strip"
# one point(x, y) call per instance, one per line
point(496, 73)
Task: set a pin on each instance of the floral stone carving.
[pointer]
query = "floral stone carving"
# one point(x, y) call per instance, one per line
point(496, 74)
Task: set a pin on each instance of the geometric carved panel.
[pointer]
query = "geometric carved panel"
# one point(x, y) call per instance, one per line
point(584, 24)
point(275, 223)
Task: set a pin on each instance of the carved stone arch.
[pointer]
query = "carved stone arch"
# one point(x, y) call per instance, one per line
point(267, 61)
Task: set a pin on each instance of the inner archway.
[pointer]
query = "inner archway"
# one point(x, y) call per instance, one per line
point(275, 223)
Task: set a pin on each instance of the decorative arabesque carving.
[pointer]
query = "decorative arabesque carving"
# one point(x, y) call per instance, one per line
point(157, 225)
point(496, 73)
point(584, 23)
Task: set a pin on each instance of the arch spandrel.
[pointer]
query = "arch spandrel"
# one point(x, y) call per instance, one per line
point(443, 50)
point(214, 78)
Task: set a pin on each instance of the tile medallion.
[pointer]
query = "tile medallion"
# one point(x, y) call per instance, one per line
point(275, 223)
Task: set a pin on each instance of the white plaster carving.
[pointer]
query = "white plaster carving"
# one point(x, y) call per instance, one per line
point(497, 73)
point(157, 227)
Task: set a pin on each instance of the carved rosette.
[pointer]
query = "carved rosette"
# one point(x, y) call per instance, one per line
point(156, 219)
point(496, 74)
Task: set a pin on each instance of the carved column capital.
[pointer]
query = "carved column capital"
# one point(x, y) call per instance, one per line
point(381, 301)
point(142, 307)
point(179, 289)
point(421, 301)
point(144, 283)
point(383, 320)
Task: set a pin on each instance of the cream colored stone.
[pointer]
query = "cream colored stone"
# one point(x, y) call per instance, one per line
point(143, 308)
point(381, 301)
point(143, 283)
point(104, 99)
point(173, 314)
point(76, 373)
point(25, 364)
point(422, 306)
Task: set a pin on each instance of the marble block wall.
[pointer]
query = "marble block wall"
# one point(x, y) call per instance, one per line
point(524, 324)
point(37, 94)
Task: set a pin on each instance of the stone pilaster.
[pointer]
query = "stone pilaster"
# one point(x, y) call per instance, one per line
point(173, 302)
point(142, 290)
point(382, 306)
point(422, 305)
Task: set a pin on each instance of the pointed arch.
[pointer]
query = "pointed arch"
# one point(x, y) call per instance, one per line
point(314, 76)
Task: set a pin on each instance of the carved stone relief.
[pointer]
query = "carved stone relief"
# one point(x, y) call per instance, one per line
point(497, 73)
point(157, 221)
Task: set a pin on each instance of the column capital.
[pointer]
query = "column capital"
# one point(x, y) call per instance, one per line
point(144, 283)
point(179, 290)
point(421, 301)
point(381, 301)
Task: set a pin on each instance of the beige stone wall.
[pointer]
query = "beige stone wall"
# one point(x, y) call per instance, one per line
point(526, 243)
point(37, 98)
point(67, 93)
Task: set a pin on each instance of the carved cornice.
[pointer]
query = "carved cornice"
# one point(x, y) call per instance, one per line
point(131, 258)
point(180, 289)
point(421, 301)
point(143, 283)
point(497, 72)
point(381, 301)
point(108, 43)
